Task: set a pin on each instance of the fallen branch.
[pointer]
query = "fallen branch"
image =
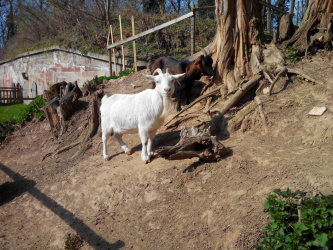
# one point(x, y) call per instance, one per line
point(235, 122)
point(294, 71)
point(263, 117)
point(67, 148)
point(199, 99)
point(283, 70)
point(240, 93)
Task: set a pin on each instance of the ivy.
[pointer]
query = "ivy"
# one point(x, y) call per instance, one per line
point(297, 222)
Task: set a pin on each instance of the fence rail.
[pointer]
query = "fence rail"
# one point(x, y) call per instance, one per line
point(12, 94)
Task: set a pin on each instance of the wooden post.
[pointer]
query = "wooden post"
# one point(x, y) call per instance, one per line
point(114, 54)
point(269, 18)
point(292, 6)
point(193, 32)
point(134, 47)
point(109, 53)
point(297, 8)
point(122, 46)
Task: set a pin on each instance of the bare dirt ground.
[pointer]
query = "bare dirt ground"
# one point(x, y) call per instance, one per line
point(187, 204)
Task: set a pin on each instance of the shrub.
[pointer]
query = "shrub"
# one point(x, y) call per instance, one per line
point(291, 54)
point(121, 74)
point(297, 222)
point(32, 109)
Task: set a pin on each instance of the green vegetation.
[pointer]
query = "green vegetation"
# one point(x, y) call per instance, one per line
point(297, 222)
point(32, 109)
point(10, 111)
point(121, 74)
point(291, 54)
point(73, 242)
point(21, 112)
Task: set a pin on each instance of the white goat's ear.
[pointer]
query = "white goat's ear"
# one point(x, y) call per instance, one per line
point(149, 77)
point(179, 76)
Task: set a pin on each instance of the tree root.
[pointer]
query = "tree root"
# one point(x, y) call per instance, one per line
point(283, 70)
point(262, 115)
point(302, 74)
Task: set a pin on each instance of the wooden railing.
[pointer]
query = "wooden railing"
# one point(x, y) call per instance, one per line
point(12, 95)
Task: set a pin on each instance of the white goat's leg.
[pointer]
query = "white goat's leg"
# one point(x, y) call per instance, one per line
point(144, 141)
point(105, 137)
point(151, 137)
point(119, 138)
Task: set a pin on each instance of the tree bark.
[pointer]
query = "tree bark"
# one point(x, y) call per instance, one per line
point(316, 27)
point(239, 27)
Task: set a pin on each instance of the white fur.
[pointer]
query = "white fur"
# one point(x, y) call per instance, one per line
point(143, 112)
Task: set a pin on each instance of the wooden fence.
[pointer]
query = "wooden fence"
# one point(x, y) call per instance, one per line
point(112, 45)
point(12, 95)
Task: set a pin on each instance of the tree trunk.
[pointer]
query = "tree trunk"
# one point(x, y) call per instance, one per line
point(316, 28)
point(238, 29)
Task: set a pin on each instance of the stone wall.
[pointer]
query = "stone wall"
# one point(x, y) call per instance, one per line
point(46, 67)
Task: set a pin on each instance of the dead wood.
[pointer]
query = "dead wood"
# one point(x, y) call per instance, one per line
point(199, 99)
point(194, 143)
point(298, 72)
point(59, 109)
point(200, 117)
point(235, 123)
point(240, 93)
point(67, 148)
point(286, 27)
point(282, 71)
point(262, 114)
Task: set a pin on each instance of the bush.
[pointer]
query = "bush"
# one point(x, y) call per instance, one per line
point(32, 109)
point(121, 74)
point(297, 222)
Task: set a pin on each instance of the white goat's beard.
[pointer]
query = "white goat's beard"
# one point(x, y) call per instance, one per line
point(167, 106)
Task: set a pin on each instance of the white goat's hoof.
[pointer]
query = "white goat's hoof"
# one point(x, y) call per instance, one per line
point(129, 152)
point(106, 159)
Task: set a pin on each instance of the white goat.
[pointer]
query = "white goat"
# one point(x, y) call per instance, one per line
point(143, 112)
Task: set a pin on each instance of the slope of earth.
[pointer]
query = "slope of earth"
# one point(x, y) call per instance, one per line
point(47, 193)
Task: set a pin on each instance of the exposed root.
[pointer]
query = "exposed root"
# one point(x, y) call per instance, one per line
point(302, 74)
point(262, 115)
point(282, 71)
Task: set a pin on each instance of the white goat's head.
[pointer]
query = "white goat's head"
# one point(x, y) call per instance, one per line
point(164, 82)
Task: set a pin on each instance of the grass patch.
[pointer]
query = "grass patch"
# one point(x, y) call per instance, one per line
point(21, 112)
point(11, 111)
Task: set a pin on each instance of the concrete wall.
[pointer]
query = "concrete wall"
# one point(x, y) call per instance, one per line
point(47, 67)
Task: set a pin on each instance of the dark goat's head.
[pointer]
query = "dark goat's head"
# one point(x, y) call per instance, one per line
point(203, 64)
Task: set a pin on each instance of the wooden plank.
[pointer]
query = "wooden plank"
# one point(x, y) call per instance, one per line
point(134, 46)
point(147, 32)
point(15, 99)
point(272, 7)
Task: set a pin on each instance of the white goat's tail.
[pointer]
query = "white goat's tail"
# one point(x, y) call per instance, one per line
point(104, 98)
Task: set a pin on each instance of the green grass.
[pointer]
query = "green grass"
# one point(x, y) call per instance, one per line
point(11, 111)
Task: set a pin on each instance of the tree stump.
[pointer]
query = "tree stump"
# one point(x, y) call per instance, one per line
point(194, 143)
point(286, 28)
point(59, 109)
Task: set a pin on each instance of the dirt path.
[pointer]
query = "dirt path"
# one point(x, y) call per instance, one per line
point(188, 204)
